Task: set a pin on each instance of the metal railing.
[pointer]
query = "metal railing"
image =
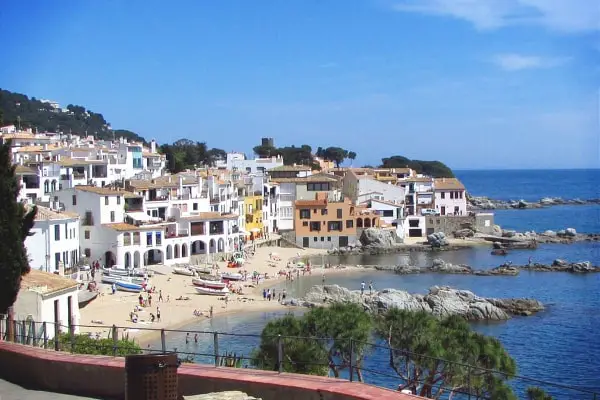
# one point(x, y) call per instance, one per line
point(342, 358)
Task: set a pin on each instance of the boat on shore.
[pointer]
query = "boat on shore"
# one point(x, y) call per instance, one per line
point(210, 291)
point(85, 297)
point(183, 271)
point(125, 286)
point(232, 276)
point(208, 283)
point(117, 270)
point(110, 279)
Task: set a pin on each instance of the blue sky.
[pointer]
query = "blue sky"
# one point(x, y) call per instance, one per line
point(474, 83)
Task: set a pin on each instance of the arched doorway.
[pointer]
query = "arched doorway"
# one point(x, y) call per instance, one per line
point(176, 251)
point(169, 252)
point(184, 250)
point(212, 246)
point(137, 260)
point(109, 259)
point(153, 257)
point(367, 222)
point(374, 222)
point(221, 247)
point(198, 247)
point(359, 222)
point(127, 260)
point(53, 186)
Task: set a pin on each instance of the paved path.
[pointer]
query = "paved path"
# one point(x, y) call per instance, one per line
point(9, 391)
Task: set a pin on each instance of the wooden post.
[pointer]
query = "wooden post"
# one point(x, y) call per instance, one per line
point(24, 335)
point(163, 341)
point(45, 334)
point(56, 336)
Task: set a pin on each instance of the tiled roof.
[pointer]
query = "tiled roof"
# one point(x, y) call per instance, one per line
point(448, 184)
point(290, 168)
point(311, 203)
point(205, 216)
point(24, 170)
point(416, 179)
point(310, 178)
point(123, 227)
point(71, 162)
point(47, 214)
point(163, 182)
point(105, 191)
point(46, 283)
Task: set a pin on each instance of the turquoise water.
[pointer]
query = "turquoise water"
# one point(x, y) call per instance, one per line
point(561, 344)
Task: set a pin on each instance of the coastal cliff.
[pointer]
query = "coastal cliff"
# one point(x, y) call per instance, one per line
point(440, 301)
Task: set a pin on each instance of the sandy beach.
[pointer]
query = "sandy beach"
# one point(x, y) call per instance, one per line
point(109, 309)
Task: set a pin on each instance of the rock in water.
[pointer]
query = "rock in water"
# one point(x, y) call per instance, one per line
point(571, 232)
point(463, 233)
point(376, 237)
point(448, 268)
point(437, 239)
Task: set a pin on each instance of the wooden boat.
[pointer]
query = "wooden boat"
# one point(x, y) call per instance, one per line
point(201, 270)
point(128, 286)
point(207, 283)
point(119, 271)
point(183, 271)
point(114, 278)
point(84, 297)
point(142, 272)
point(232, 276)
point(210, 291)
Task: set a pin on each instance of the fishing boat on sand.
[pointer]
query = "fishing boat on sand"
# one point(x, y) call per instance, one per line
point(128, 286)
point(211, 292)
point(110, 279)
point(208, 283)
point(232, 276)
point(183, 271)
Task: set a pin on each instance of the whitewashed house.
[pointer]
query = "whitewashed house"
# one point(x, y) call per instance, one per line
point(450, 196)
point(50, 298)
point(54, 242)
point(391, 214)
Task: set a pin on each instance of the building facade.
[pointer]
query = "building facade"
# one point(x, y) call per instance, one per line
point(450, 197)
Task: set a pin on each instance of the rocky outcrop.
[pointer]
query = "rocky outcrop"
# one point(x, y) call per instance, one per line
point(463, 233)
point(442, 267)
point(376, 237)
point(437, 239)
point(485, 203)
point(559, 265)
point(441, 301)
point(232, 395)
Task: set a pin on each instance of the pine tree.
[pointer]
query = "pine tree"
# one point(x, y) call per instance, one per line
point(15, 223)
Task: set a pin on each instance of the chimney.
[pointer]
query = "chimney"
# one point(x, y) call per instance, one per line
point(153, 146)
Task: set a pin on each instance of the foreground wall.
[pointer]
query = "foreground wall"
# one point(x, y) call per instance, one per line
point(104, 377)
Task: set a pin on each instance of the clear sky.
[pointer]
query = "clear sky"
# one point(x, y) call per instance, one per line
point(474, 83)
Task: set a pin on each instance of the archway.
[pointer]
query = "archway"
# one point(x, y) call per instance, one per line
point(53, 185)
point(46, 187)
point(169, 252)
point(136, 260)
point(109, 259)
point(198, 247)
point(367, 222)
point(374, 222)
point(184, 250)
point(127, 260)
point(359, 222)
point(221, 247)
point(153, 257)
point(212, 246)
point(176, 251)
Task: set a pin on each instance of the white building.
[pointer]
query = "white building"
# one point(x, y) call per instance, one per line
point(49, 298)
point(362, 188)
point(450, 196)
point(419, 194)
point(238, 161)
point(391, 214)
point(54, 242)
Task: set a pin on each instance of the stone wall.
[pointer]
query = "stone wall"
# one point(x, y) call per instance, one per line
point(104, 377)
point(448, 224)
point(325, 244)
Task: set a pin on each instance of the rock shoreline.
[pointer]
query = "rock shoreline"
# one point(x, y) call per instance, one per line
point(485, 203)
point(441, 301)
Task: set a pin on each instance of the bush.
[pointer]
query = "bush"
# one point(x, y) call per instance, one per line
point(83, 344)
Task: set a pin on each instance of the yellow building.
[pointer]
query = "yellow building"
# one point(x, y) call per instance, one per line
point(254, 216)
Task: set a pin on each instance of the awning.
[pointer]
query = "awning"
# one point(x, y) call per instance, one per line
point(140, 216)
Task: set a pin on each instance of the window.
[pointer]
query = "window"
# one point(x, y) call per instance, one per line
point(349, 223)
point(388, 213)
point(87, 253)
point(118, 199)
point(339, 213)
point(56, 232)
point(105, 200)
point(334, 226)
point(136, 238)
point(315, 226)
point(86, 234)
point(149, 238)
point(112, 216)
point(304, 213)
point(195, 206)
point(329, 238)
point(442, 195)
point(461, 195)
point(158, 239)
point(322, 238)
point(451, 195)
point(126, 239)
point(74, 200)
point(317, 187)
point(315, 239)
point(56, 260)
point(324, 211)
point(305, 223)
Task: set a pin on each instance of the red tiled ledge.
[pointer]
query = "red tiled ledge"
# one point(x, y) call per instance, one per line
point(104, 377)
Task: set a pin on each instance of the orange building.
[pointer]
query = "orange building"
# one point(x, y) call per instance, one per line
point(325, 224)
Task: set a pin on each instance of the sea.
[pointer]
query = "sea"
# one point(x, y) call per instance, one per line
point(560, 345)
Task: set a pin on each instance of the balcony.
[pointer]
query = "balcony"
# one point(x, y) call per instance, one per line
point(158, 198)
point(214, 200)
point(78, 175)
point(65, 177)
point(185, 196)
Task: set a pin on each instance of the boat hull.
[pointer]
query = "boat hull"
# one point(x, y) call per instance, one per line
point(208, 284)
point(211, 292)
point(183, 271)
point(128, 287)
point(232, 277)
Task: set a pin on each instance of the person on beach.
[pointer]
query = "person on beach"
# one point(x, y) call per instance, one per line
point(158, 314)
point(323, 277)
point(141, 300)
point(150, 300)
point(362, 288)
point(160, 298)
point(114, 288)
point(264, 294)
point(211, 311)
point(196, 338)
point(371, 288)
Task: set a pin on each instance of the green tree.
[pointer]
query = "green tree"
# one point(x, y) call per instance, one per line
point(536, 393)
point(352, 156)
point(306, 348)
point(15, 224)
point(265, 151)
point(335, 154)
point(435, 169)
point(430, 356)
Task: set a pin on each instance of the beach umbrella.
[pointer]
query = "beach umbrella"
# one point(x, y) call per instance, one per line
point(255, 230)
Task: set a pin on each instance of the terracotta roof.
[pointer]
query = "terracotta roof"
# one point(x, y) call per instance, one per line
point(35, 149)
point(131, 195)
point(163, 182)
point(71, 162)
point(123, 227)
point(448, 184)
point(311, 203)
point(24, 170)
point(416, 179)
point(205, 216)
point(46, 283)
point(47, 214)
point(291, 168)
point(106, 191)
point(310, 178)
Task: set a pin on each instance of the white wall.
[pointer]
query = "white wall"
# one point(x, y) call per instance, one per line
point(449, 203)
point(43, 243)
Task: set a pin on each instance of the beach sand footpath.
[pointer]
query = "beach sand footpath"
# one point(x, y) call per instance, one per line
point(109, 309)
